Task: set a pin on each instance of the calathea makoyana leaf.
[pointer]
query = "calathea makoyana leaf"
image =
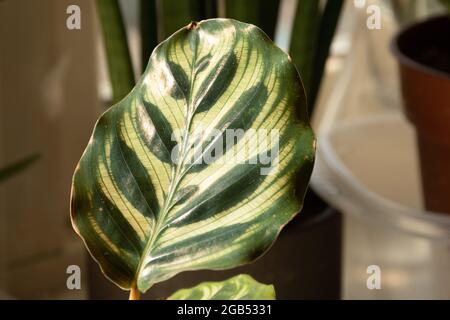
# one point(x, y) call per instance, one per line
point(241, 287)
point(202, 164)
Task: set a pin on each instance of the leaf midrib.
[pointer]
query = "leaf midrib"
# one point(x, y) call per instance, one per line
point(178, 174)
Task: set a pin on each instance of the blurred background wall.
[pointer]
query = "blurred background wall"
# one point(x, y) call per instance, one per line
point(48, 105)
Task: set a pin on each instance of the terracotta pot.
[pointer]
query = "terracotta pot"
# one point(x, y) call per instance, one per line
point(423, 53)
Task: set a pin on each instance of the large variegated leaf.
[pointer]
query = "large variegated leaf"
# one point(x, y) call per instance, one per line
point(149, 206)
point(241, 287)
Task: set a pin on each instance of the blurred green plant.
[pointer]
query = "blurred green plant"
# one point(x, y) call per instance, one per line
point(17, 167)
point(116, 47)
point(149, 25)
point(446, 3)
point(312, 35)
point(263, 14)
point(314, 27)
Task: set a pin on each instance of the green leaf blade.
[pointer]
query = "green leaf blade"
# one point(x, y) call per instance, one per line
point(116, 47)
point(304, 38)
point(241, 287)
point(146, 216)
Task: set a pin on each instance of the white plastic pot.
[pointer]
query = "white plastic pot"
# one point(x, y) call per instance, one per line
point(368, 168)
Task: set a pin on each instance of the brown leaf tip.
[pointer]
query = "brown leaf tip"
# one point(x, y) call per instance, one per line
point(192, 26)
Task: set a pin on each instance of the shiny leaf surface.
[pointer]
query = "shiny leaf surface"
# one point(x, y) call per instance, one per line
point(241, 287)
point(202, 164)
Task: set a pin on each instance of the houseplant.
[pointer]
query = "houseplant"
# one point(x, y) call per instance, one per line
point(316, 233)
point(150, 203)
point(423, 53)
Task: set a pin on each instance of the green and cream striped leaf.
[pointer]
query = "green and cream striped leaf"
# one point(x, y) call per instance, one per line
point(241, 287)
point(144, 204)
